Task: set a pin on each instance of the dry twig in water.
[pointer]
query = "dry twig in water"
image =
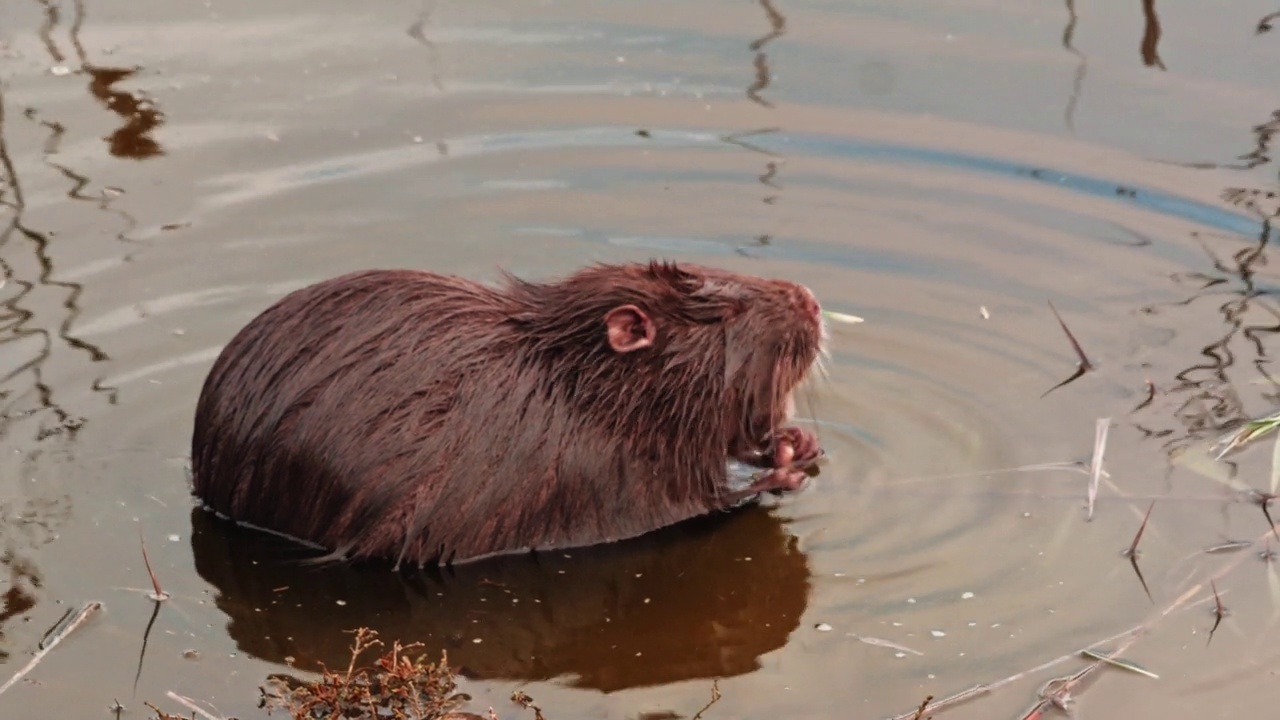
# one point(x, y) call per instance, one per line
point(923, 706)
point(56, 635)
point(394, 686)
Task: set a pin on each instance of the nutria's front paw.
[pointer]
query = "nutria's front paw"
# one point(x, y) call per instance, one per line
point(776, 481)
point(795, 448)
point(783, 480)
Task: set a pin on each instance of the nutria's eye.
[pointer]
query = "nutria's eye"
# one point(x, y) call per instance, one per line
point(629, 329)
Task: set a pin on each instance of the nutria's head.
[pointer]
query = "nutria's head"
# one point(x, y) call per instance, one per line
point(680, 354)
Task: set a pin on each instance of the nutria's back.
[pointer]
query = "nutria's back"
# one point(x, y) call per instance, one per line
point(404, 414)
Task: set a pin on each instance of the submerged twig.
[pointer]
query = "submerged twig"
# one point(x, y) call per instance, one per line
point(1219, 612)
point(1132, 552)
point(1083, 365)
point(61, 631)
point(142, 652)
point(1264, 502)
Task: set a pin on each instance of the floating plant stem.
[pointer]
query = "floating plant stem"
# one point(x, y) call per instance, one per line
point(1101, 428)
point(1122, 664)
point(159, 595)
point(1247, 433)
point(1275, 465)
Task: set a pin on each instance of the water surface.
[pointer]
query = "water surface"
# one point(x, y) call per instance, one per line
point(941, 169)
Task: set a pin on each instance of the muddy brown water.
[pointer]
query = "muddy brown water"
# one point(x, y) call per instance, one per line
point(941, 169)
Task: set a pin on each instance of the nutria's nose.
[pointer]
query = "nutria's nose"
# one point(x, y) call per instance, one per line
point(805, 302)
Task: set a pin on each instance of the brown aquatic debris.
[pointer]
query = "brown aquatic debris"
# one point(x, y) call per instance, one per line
point(522, 699)
point(923, 706)
point(1219, 612)
point(715, 698)
point(395, 685)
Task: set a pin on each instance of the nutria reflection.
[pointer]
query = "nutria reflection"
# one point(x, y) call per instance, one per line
point(699, 600)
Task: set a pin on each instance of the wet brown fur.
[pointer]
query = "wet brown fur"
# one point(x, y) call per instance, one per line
point(428, 418)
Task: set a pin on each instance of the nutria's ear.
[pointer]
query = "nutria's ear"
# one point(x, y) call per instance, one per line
point(629, 328)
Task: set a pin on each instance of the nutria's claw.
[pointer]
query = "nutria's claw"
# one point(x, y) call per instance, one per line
point(795, 448)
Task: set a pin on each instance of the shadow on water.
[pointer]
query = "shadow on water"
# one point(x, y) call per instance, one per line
point(701, 600)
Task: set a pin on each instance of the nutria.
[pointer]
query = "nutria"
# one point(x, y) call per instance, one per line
point(431, 419)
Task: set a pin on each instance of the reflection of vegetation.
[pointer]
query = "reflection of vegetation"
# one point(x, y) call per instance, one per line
point(15, 318)
point(1068, 36)
point(1208, 400)
point(764, 74)
point(140, 115)
point(1150, 46)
